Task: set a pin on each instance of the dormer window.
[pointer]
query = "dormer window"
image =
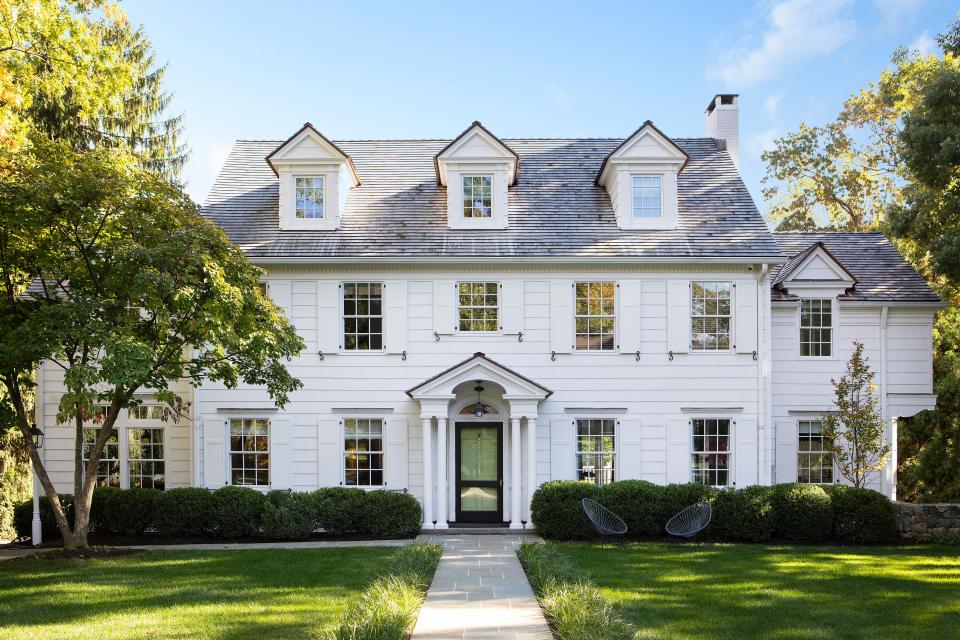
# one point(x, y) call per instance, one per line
point(309, 197)
point(477, 196)
point(647, 196)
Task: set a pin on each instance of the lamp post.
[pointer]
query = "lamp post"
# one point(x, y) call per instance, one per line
point(36, 536)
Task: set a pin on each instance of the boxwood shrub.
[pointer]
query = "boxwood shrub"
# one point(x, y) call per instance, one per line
point(862, 515)
point(98, 507)
point(185, 512)
point(131, 512)
point(342, 510)
point(392, 515)
point(557, 512)
point(743, 515)
point(639, 503)
point(238, 512)
point(802, 512)
point(23, 517)
point(289, 516)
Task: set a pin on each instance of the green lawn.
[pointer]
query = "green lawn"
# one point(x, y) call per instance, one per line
point(742, 592)
point(239, 595)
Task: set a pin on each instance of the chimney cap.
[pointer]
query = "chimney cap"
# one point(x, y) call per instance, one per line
point(725, 98)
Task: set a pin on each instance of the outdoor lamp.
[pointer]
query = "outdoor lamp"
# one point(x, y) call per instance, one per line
point(37, 436)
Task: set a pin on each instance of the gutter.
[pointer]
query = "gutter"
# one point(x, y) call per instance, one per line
point(486, 260)
point(762, 336)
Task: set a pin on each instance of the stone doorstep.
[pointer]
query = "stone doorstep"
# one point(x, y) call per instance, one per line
point(478, 531)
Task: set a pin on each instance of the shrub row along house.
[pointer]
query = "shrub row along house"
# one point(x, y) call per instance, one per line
point(484, 315)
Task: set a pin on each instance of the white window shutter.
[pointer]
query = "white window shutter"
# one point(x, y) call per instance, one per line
point(678, 316)
point(281, 454)
point(280, 293)
point(397, 471)
point(214, 453)
point(444, 306)
point(786, 450)
point(628, 455)
point(562, 452)
point(329, 452)
point(630, 318)
point(395, 316)
point(561, 316)
point(329, 330)
point(511, 305)
point(679, 463)
point(745, 452)
point(745, 316)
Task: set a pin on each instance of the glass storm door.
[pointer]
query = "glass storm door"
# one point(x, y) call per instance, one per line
point(479, 474)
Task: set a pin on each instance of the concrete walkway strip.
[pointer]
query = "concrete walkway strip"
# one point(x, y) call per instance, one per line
point(480, 592)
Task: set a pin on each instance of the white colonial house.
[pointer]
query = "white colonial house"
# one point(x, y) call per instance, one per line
point(483, 315)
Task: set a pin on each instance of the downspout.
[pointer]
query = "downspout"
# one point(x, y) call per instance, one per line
point(763, 299)
point(194, 439)
point(884, 410)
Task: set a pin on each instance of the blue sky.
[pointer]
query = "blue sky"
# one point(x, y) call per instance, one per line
point(260, 70)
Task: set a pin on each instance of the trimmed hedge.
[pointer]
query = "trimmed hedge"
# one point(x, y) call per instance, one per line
point(23, 517)
point(795, 512)
point(131, 512)
point(289, 516)
point(238, 512)
point(185, 512)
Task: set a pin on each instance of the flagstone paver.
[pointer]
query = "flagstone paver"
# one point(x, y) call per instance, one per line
point(480, 592)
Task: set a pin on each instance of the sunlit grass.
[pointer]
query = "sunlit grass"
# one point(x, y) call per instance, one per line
point(239, 595)
point(745, 592)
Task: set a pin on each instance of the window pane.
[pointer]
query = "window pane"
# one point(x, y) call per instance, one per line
point(477, 196)
point(596, 450)
point(362, 316)
point(309, 197)
point(479, 308)
point(249, 451)
point(710, 316)
point(595, 316)
point(816, 331)
point(363, 452)
point(647, 201)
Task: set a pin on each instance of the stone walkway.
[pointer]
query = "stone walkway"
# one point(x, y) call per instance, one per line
point(480, 592)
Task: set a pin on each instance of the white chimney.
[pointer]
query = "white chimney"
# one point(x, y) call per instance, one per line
point(723, 123)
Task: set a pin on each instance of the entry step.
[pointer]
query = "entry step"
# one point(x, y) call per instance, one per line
point(478, 531)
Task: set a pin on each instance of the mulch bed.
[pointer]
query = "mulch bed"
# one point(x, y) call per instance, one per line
point(78, 554)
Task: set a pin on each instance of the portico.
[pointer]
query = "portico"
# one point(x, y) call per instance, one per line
point(479, 438)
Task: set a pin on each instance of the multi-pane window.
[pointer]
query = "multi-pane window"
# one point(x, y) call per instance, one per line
point(596, 450)
point(250, 451)
point(362, 316)
point(309, 196)
point(816, 327)
point(595, 316)
point(710, 316)
point(647, 200)
point(363, 452)
point(478, 306)
point(814, 455)
point(712, 441)
point(146, 458)
point(146, 412)
point(477, 196)
point(108, 469)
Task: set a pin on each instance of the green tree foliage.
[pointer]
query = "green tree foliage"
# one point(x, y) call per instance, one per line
point(856, 429)
point(131, 289)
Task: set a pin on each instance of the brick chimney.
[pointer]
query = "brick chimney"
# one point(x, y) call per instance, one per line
point(723, 123)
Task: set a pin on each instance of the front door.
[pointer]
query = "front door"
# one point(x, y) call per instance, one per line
point(479, 472)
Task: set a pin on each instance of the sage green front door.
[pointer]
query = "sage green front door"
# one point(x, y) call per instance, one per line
point(479, 472)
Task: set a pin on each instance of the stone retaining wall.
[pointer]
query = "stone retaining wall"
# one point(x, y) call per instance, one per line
point(926, 522)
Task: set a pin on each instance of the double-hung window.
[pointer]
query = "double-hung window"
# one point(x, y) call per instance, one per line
point(712, 449)
point(595, 316)
point(816, 327)
point(309, 197)
point(477, 196)
point(108, 469)
point(710, 316)
point(647, 196)
point(362, 316)
point(814, 454)
point(145, 458)
point(363, 452)
point(478, 306)
point(146, 412)
point(250, 451)
point(596, 450)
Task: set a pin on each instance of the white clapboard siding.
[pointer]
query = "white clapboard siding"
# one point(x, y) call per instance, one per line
point(745, 316)
point(678, 450)
point(281, 455)
point(329, 452)
point(395, 329)
point(745, 452)
point(214, 452)
point(786, 450)
point(678, 316)
point(396, 472)
point(631, 313)
point(511, 296)
point(444, 306)
point(562, 453)
point(329, 331)
point(629, 463)
point(281, 294)
point(561, 316)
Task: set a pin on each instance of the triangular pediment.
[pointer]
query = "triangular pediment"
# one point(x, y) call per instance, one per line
point(479, 367)
point(477, 145)
point(646, 145)
point(819, 266)
point(308, 145)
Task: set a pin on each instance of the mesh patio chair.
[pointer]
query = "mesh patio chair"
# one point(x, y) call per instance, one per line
point(690, 521)
point(606, 522)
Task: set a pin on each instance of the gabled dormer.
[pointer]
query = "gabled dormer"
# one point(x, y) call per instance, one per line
point(477, 168)
point(814, 273)
point(315, 177)
point(641, 177)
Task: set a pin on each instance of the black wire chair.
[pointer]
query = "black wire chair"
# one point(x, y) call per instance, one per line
point(690, 521)
point(606, 522)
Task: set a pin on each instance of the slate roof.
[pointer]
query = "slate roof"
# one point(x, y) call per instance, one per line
point(555, 210)
point(882, 274)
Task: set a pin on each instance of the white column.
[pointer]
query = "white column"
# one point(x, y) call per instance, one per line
point(531, 463)
point(441, 473)
point(427, 474)
point(515, 474)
